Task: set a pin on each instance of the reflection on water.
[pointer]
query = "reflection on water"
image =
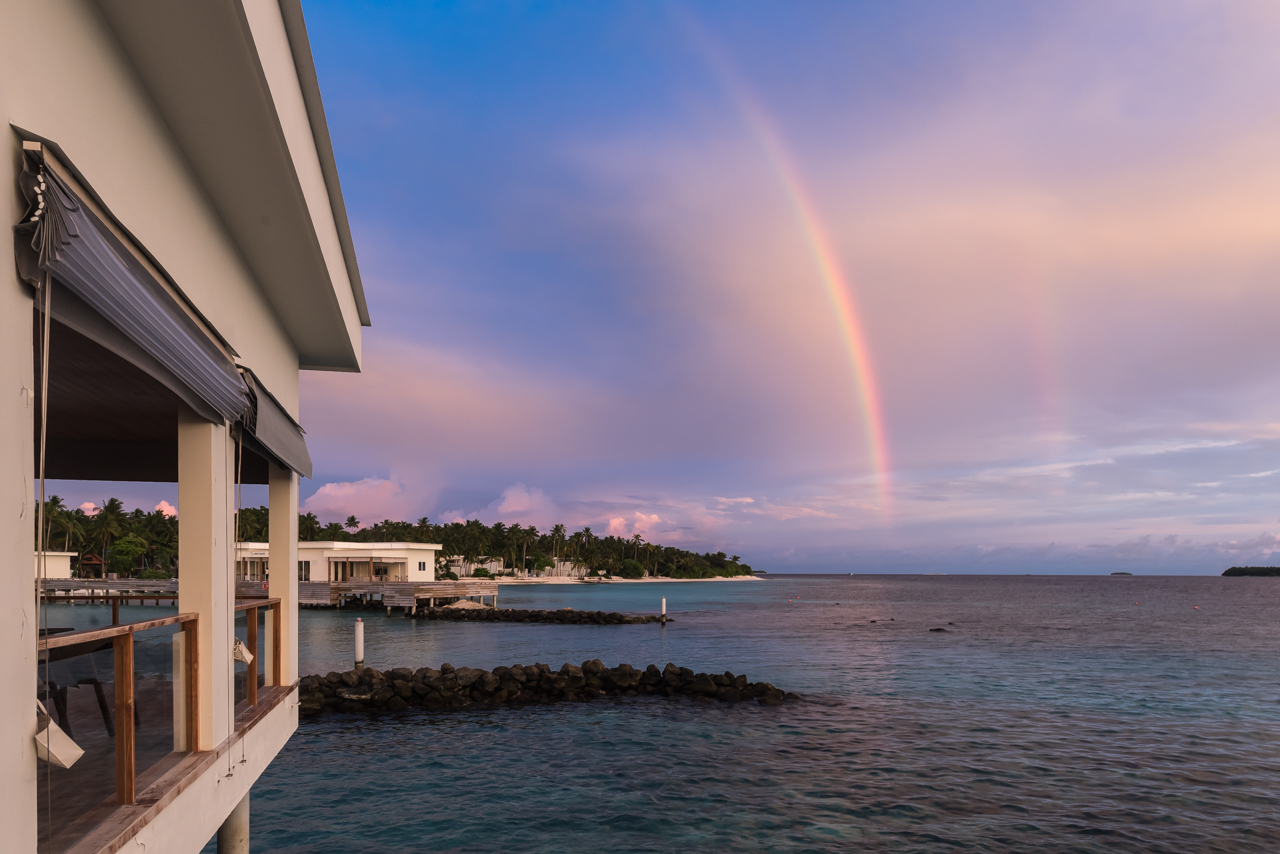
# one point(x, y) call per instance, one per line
point(1052, 715)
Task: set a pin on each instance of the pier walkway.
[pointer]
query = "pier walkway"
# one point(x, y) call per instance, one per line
point(395, 594)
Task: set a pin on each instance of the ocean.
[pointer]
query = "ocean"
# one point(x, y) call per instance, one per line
point(1054, 714)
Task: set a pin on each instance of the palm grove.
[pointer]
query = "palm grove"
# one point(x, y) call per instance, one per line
point(145, 544)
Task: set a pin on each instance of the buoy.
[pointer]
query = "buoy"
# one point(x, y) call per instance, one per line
point(1197, 607)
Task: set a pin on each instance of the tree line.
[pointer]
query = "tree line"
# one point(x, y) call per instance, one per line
point(145, 544)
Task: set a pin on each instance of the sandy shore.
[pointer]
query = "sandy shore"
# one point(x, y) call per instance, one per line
point(562, 580)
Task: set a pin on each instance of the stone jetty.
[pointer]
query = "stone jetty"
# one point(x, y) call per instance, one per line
point(567, 616)
point(450, 689)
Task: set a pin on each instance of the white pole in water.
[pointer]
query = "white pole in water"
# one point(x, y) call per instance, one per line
point(664, 609)
point(359, 643)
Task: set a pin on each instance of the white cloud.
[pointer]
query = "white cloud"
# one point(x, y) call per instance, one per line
point(167, 509)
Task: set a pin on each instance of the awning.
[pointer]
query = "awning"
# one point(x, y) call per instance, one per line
point(271, 426)
point(72, 244)
point(102, 290)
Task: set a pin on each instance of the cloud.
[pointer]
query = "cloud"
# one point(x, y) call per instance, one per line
point(167, 509)
point(371, 500)
point(90, 508)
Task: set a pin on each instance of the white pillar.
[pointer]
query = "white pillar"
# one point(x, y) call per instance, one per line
point(206, 569)
point(18, 616)
point(283, 585)
point(233, 835)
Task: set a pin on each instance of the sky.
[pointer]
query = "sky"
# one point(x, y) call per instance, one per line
point(834, 286)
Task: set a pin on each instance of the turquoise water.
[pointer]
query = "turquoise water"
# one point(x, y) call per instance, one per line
point(1053, 715)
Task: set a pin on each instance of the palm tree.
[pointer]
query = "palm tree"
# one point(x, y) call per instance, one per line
point(308, 527)
point(53, 511)
point(352, 523)
point(557, 540)
point(637, 541)
point(107, 525)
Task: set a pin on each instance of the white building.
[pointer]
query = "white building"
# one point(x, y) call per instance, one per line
point(56, 564)
point(182, 237)
point(345, 561)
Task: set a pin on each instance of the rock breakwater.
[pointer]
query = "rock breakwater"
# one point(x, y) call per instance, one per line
point(521, 615)
point(449, 688)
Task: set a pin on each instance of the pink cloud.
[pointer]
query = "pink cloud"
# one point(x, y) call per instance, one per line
point(370, 500)
point(167, 509)
point(90, 508)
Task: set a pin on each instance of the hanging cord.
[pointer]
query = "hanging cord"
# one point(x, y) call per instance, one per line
point(42, 604)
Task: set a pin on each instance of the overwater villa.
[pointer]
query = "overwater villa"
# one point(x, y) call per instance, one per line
point(338, 560)
point(181, 252)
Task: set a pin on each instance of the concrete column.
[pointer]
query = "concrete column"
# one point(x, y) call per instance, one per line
point(206, 563)
point(283, 500)
point(233, 835)
point(19, 619)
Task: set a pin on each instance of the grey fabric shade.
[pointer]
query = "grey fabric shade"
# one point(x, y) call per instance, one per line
point(278, 434)
point(74, 246)
point(103, 292)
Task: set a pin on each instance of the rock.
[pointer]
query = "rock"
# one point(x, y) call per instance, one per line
point(594, 667)
point(447, 668)
point(400, 673)
point(425, 674)
point(395, 704)
point(402, 688)
point(361, 695)
point(467, 675)
point(488, 683)
point(728, 695)
point(791, 695)
point(333, 677)
point(937, 630)
point(381, 696)
point(307, 710)
point(772, 697)
point(518, 674)
point(701, 684)
point(351, 678)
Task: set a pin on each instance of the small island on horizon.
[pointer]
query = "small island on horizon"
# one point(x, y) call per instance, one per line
point(1254, 571)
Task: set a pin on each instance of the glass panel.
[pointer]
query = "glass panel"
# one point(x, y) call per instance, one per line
point(241, 671)
point(159, 700)
point(77, 686)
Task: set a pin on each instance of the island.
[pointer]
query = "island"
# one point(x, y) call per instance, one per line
point(1254, 571)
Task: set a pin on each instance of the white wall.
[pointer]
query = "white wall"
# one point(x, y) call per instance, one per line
point(90, 103)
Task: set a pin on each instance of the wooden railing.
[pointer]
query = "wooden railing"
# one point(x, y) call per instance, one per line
point(121, 637)
point(251, 641)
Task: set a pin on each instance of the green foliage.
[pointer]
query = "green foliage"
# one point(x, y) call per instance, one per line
point(154, 573)
point(448, 575)
point(631, 569)
point(125, 553)
point(480, 572)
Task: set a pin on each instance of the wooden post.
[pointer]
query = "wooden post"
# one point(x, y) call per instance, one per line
point(251, 669)
point(126, 779)
point(115, 611)
point(192, 630)
point(276, 658)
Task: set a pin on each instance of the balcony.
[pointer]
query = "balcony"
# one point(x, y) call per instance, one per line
point(128, 695)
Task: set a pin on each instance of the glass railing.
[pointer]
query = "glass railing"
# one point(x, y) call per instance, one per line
point(125, 697)
point(258, 629)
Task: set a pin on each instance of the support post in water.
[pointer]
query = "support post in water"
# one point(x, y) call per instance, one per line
point(664, 609)
point(359, 644)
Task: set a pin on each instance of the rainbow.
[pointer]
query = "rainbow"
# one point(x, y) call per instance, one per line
point(834, 281)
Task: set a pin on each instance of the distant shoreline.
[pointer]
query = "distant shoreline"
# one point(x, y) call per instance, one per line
point(564, 580)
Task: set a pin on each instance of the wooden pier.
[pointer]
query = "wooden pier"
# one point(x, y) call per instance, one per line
point(395, 594)
point(409, 595)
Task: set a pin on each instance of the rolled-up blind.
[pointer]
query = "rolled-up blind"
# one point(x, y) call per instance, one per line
point(278, 434)
point(73, 245)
